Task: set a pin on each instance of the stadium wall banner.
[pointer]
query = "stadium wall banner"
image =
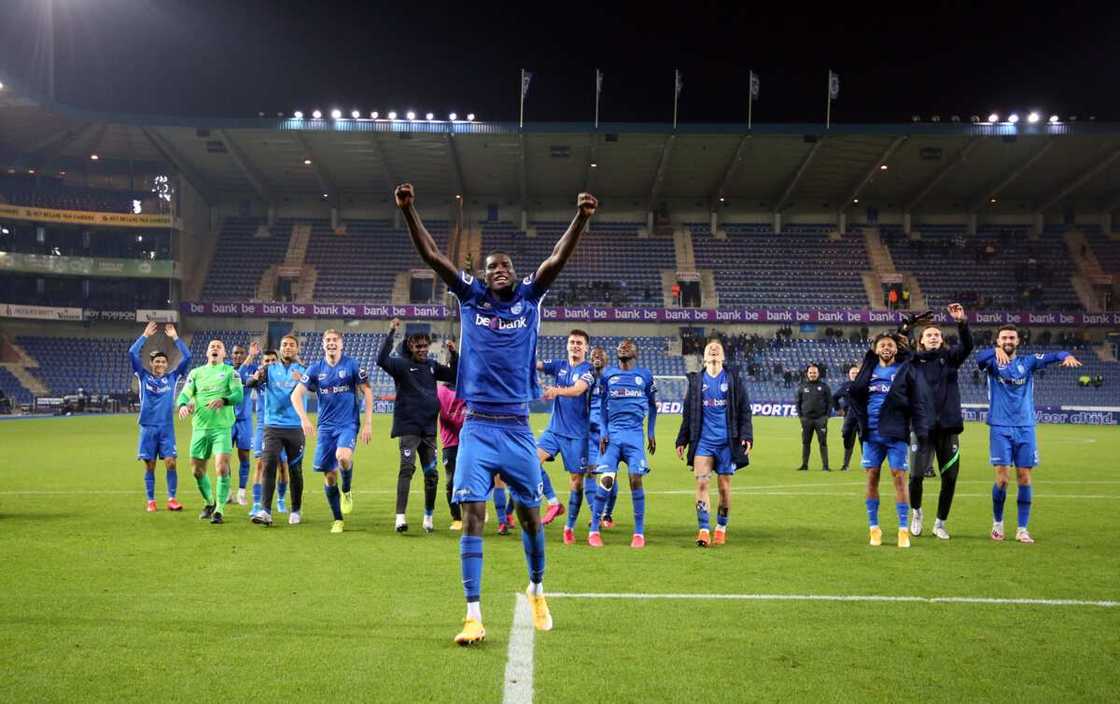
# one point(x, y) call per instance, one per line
point(82, 217)
point(363, 311)
point(87, 266)
point(1071, 415)
point(11, 310)
point(146, 315)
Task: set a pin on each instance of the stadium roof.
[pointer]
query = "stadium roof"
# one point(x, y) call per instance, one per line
point(930, 167)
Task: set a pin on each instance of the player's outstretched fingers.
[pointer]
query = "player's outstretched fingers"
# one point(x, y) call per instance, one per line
point(404, 195)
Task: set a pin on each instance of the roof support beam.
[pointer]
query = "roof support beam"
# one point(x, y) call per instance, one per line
point(391, 181)
point(871, 171)
point(729, 171)
point(46, 150)
point(172, 156)
point(322, 175)
point(662, 167)
point(960, 157)
point(1071, 187)
point(456, 166)
point(1011, 177)
point(523, 181)
point(784, 198)
point(255, 178)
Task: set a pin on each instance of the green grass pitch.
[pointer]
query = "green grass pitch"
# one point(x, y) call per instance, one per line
point(100, 601)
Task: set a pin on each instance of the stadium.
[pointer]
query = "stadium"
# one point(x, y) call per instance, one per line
point(795, 244)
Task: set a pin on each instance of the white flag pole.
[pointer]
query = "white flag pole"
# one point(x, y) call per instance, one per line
point(828, 109)
point(598, 90)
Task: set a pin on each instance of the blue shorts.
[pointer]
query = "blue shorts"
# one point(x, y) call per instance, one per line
point(628, 448)
point(721, 453)
point(876, 448)
point(156, 442)
point(243, 434)
point(593, 451)
point(328, 442)
point(572, 450)
point(493, 447)
point(1012, 446)
point(258, 444)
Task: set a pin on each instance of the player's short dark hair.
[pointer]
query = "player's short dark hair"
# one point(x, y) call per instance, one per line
point(713, 338)
point(497, 253)
point(291, 337)
point(156, 354)
point(272, 352)
point(580, 333)
point(857, 367)
point(882, 335)
point(812, 365)
point(1010, 327)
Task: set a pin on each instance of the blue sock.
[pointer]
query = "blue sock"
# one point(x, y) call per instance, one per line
point(872, 512)
point(639, 498)
point(470, 561)
point(1026, 492)
point(172, 483)
point(599, 500)
point(281, 490)
point(903, 510)
point(575, 499)
point(721, 517)
point(150, 485)
point(703, 518)
point(533, 543)
point(347, 477)
point(500, 503)
point(509, 503)
point(333, 500)
point(549, 493)
point(608, 510)
point(243, 473)
point(999, 495)
point(257, 493)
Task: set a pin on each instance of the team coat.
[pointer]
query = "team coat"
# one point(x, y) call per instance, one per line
point(813, 399)
point(939, 368)
point(417, 406)
point(908, 404)
point(739, 426)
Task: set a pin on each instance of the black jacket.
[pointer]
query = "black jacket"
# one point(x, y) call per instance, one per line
point(908, 403)
point(417, 406)
point(739, 426)
point(939, 367)
point(813, 399)
point(840, 399)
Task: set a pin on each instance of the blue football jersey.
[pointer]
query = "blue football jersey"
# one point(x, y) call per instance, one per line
point(244, 410)
point(277, 387)
point(1011, 387)
point(877, 390)
point(628, 396)
point(338, 388)
point(498, 345)
point(570, 414)
point(714, 426)
point(595, 413)
point(157, 393)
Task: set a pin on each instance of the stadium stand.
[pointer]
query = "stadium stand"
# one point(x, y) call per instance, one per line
point(611, 266)
point(801, 267)
point(241, 258)
point(95, 293)
point(14, 390)
point(99, 365)
point(80, 241)
point(51, 193)
point(1106, 249)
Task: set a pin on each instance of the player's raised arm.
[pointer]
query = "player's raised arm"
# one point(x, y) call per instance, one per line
point(134, 351)
point(551, 267)
point(184, 351)
point(422, 239)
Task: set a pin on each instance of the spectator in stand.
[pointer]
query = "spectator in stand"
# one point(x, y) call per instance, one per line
point(892, 298)
point(1084, 380)
point(5, 404)
point(905, 298)
point(676, 289)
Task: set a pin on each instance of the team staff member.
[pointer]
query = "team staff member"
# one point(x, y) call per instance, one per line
point(813, 401)
point(841, 402)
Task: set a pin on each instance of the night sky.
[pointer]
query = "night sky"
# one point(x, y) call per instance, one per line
point(234, 58)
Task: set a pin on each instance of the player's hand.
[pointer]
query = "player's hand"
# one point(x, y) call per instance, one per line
point(394, 325)
point(550, 393)
point(259, 374)
point(603, 442)
point(170, 331)
point(1001, 357)
point(366, 435)
point(956, 311)
point(587, 204)
point(216, 404)
point(254, 348)
point(651, 445)
point(308, 429)
point(296, 376)
point(151, 328)
point(405, 195)
point(186, 410)
point(748, 445)
point(1071, 361)
point(680, 452)
point(901, 341)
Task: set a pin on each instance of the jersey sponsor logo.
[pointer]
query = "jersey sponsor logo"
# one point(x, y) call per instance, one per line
point(715, 403)
point(626, 393)
point(496, 323)
point(879, 387)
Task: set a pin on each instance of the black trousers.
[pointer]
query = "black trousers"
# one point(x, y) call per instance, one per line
point(946, 447)
point(450, 454)
point(850, 433)
point(290, 441)
point(820, 427)
point(425, 447)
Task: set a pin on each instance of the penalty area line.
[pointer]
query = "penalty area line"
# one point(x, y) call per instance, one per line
point(841, 598)
point(518, 685)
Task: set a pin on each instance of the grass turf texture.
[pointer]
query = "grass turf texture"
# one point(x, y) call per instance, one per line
point(102, 601)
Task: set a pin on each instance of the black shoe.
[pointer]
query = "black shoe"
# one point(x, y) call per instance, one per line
point(207, 512)
point(928, 474)
point(216, 518)
point(802, 469)
point(402, 528)
point(844, 468)
point(825, 469)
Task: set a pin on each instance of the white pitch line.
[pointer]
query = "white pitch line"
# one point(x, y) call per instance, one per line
point(837, 597)
point(518, 687)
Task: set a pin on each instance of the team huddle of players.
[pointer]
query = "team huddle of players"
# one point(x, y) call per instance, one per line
point(604, 416)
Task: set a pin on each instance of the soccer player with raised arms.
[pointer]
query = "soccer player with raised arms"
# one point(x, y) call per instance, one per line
point(497, 378)
point(210, 395)
point(569, 426)
point(629, 397)
point(243, 416)
point(1011, 433)
point(157, 415)
point(337, 378)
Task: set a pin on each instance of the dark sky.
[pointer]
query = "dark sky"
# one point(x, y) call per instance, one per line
point(233, 58)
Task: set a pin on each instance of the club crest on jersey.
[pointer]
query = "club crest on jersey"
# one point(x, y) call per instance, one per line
point(723, 387)
point(342, 373)
point(517, 308)
point(639, 381)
